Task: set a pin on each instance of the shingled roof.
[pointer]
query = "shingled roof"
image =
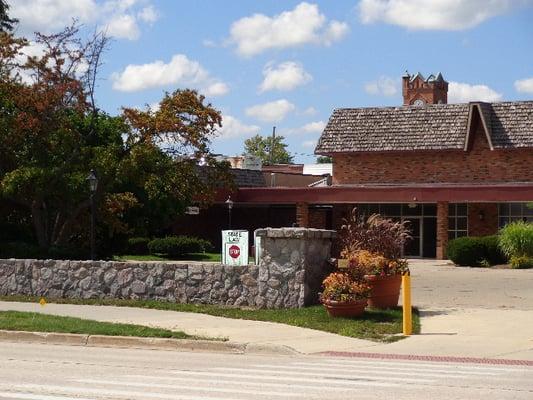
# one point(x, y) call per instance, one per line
point(432, 127)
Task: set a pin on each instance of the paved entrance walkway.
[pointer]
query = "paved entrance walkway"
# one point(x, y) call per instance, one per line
point(465, 313)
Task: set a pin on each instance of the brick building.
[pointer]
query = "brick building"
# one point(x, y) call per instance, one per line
point(449, 169)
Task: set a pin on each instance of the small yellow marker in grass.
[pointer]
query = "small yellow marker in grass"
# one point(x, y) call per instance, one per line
point(406, 302)
point(42, 302)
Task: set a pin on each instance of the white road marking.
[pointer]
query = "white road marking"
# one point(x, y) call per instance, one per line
point(253, 377)
point(188, 387)
point(375, 378)
point(419, 370)
point(289, 385)
point(111, 392)
point(32, 396)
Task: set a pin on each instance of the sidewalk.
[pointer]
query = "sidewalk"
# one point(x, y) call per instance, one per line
point(446, 332)
point(465, 312)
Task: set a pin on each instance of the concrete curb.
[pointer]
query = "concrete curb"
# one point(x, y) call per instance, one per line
point(71, 339)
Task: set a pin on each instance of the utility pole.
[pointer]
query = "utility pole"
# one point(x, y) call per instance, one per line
point(272, 145)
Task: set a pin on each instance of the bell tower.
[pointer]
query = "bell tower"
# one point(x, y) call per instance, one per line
point(419, 91)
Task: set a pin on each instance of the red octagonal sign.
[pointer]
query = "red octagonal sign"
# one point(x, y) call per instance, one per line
point(234, 251)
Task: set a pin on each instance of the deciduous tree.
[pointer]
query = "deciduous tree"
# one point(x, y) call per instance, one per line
point(270, 150)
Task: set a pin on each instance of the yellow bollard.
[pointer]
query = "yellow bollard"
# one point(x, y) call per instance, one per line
point(406, 302)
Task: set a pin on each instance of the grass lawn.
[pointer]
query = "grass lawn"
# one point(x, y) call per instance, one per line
point(36, 322)
point(377, 325)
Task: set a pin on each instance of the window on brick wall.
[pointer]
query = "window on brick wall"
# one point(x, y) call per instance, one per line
point(510, 212)
point(457, 220)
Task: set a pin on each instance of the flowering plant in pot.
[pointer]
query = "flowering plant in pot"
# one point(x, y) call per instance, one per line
point(382, 274)
point(373, 247)
point(344, 296)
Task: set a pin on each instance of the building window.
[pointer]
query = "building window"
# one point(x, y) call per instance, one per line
point(457, 220)
point(510, 212)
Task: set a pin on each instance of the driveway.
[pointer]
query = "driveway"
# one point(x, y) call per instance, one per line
point(476, 312)
point(441, 284)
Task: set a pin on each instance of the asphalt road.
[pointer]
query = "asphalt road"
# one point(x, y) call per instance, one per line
point(47, 372)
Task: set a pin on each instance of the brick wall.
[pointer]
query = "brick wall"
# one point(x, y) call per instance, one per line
point(478, 165)
point(486, 226)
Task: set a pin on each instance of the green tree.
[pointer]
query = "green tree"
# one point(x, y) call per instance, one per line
point(324, 160)
point(52, 134)
point(6, 24)
point(269, 150)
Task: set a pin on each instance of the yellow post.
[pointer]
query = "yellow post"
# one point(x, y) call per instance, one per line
point(406, 301)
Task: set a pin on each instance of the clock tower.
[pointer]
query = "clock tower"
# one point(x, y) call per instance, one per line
point(419, 91)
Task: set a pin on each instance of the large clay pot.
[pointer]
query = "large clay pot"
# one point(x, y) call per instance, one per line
point(345, 309)
point(385, 290)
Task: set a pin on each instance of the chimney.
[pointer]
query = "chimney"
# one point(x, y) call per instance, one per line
point(419, 91)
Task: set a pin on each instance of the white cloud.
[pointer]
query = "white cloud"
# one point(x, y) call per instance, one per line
point(309, 111)
point(47, 15)
point(464, 93)
point(436, 14)
point(123, 27)
point(233, 127)
point(384, 86)
point(314, 127)
point(524, 85)
point(148, 15)
point(310, 144)
point(302, 25)
point(273, 111)
point(209, 43)
point(120, 18)
point(216, 89)
point(179, 71)
point(285, 76)
point(311, 127)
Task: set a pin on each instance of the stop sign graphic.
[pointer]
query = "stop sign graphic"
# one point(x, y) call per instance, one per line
point(234, 251)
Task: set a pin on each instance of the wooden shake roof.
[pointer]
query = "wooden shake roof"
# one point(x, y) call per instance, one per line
point(432, 127)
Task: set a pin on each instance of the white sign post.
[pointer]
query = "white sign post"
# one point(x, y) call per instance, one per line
point(235, 247)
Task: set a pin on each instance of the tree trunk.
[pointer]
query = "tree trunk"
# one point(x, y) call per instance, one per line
point(39, 224)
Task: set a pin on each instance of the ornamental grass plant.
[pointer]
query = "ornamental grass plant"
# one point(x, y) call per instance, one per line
point(516, 242)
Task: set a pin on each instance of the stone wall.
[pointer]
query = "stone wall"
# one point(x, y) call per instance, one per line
point(284, 278)
point(300, 256)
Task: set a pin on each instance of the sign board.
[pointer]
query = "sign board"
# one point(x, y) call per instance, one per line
point(192, 210)
point(235, 247)
point(257, 246)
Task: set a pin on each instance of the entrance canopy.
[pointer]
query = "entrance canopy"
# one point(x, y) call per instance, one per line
point(515, 192)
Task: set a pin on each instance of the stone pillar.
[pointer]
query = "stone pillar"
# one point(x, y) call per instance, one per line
point(302, 215)
point(442, 229)
point(482, 219)
point(293, 264)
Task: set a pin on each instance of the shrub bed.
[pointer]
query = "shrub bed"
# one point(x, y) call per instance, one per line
point(138, 245)
point(475, 251)
point(178, 246)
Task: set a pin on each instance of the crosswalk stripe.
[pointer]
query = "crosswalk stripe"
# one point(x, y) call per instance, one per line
point(254, 377)
point(32, 396)
point(288, 385)
point(383, 367)
point(109, 392)
point(424, 365)
point(362, 369)
point(339, 376)
point(188, 387)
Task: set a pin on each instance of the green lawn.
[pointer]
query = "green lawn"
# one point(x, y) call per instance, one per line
point(377, 325)
point(36, 322)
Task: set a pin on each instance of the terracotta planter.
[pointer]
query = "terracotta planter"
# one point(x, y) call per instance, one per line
point(345, 309)
point(385, 290)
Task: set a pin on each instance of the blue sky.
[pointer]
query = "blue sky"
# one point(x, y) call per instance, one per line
point(289, 63)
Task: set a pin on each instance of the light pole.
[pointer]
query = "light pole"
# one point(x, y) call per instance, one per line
point(229, 203)
point(93, 185)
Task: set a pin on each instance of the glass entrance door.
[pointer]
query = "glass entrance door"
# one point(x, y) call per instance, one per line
point(413, 248)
